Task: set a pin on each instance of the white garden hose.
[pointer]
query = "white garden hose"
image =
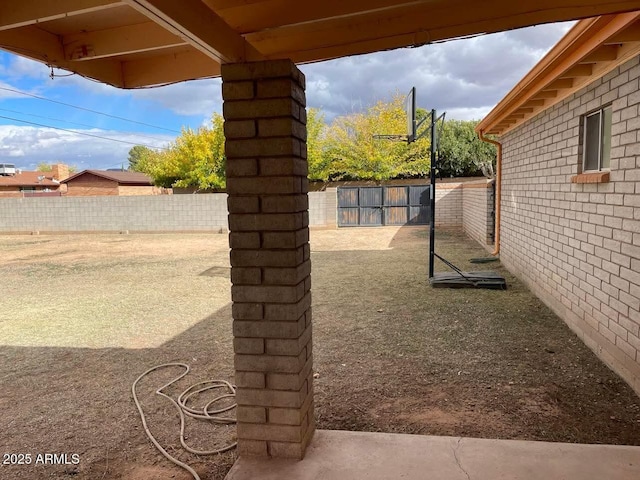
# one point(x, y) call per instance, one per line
point(206, 413)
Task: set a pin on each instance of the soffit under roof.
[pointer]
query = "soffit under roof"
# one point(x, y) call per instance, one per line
point(138, 43)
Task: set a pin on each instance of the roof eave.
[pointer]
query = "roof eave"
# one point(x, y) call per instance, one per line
point(586, 38)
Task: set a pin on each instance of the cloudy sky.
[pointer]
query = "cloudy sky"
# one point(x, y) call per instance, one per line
point(464, 77)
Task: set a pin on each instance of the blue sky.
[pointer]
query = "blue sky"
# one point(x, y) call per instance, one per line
point(464, 77)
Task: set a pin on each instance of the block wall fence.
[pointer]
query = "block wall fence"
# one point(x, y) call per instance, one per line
point(459, 205)
point(577, 246)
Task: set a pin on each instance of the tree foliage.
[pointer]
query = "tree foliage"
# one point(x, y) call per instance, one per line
point(319, 161)
point(345, 149)
point(351, 152)
point(195, 159)
point(461, 152)
point(137, 155)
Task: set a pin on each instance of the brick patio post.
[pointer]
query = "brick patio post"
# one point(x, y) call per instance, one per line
point(265, 128)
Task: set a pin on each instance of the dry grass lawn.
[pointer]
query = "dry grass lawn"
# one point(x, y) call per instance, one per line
point(83, 315)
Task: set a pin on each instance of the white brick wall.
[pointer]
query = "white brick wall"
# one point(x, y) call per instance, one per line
point(323, 207)
point(578, 245)
point(477, 205)
point(449, 205)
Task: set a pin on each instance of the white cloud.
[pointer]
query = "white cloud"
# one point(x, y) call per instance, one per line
point(464, 77)
point(27, 146)
point(198, 97)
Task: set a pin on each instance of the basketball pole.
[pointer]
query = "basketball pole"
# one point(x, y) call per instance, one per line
point(432, 227)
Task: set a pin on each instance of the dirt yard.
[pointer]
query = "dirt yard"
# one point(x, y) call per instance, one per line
point(83, 315)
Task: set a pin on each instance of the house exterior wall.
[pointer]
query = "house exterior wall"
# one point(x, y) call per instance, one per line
point(16, 192)
point(136, 190)
point(577, 246)
point(10, 192)
point(91, 185)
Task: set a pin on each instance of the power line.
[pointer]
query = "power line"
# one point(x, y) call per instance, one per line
point(79, 133)
point(86, 109)
point(65, 121)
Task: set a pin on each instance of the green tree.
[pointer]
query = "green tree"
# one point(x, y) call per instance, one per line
point(319, 161)
point(137, 154)
point(354, 154)
point(195, 159)
point(461, 152)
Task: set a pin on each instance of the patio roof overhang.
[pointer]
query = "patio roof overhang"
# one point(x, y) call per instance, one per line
point(591, 49)
point(138, 43)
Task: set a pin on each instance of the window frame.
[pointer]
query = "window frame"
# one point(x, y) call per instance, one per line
point(601, 137)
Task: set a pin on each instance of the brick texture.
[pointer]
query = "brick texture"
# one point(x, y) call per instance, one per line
point(576, 244)
point(264, 108)
point(477, 204)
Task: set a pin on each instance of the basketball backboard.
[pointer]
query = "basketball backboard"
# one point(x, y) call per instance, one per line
point(410, 108)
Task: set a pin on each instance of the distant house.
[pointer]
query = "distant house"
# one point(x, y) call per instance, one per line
point(570, 184)
point(17, 183)
point(107, 182)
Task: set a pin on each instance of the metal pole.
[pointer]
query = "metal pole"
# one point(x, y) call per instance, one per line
point(432, 227)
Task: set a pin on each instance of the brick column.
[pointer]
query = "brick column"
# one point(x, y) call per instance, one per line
point(265, 128)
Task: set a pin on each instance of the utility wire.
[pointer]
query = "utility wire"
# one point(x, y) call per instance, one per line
point(7, 89)
point(80, 133)
point(66, 121)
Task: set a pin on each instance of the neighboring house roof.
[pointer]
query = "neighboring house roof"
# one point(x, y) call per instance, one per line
point(29, 179)
point(590, 50)
point(121, 177)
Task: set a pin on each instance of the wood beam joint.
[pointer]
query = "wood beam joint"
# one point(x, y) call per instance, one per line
point(200, 26)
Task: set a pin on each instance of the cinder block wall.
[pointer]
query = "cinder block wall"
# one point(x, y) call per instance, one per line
point(323, 207)
point(477, 206)
point(577, 246)
point(206, 212)
point(113, 213)
point(449, 205)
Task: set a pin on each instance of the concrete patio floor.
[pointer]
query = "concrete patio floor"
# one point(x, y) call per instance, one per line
point(341, 455)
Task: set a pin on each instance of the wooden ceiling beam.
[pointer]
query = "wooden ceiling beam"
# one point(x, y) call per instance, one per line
point(560, 84)
point(580, 70)
point(170, 68)
point(545, 94)
point(269, 14)
point(30, 12)
point(196, 23)
point(119, 41)
point(605, 53)
point(414, 25)
point(630, 34)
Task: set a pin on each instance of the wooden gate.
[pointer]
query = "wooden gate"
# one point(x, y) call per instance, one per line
point(384, 205)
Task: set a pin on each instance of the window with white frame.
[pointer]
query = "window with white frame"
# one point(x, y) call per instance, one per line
point(596, 149)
